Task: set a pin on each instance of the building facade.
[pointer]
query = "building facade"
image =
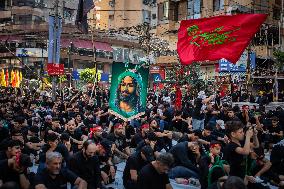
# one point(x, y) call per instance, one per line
point(24, 37)
point(267, 40)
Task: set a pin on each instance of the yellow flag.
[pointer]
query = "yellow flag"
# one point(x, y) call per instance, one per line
point(99, 77)
point(1, 73)
point(21, 77)
point(17, 79)
point(3, 82)
point(12, 76)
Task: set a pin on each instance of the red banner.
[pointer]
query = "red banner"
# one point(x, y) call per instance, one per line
point(55, 69)
point(217, 37)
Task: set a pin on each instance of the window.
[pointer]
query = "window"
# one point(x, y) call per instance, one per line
point(218, 5)
point(85, 52)
point(166, 10)
point(182, 10)
point(160, 11)
point(22, 19)
point(163, 11)
point(118, 54)
point(126, 54)
point(31, 3)
point(68, 14)
point(146, 16)
point(261, 6)
point(2, 5)
point(278, 2)
point(222, 4)
point(173, 11)
point(154, 16)
point(276, 13)
point(194, 8)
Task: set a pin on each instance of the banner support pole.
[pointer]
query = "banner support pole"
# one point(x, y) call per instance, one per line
point(54, 48)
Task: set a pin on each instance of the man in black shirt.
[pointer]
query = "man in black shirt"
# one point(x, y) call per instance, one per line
point(118, 138)
point(185, 165)
point(53, 145)
point(53, 176)
point(244, 115)
point(154, 175)
point(198, 115)
point(205, 136)
point(231, 115)
point(96, 134)
point(179, 124)
point(134, 164)
point(275, 131)
point(86, 165)
point(55, 128)
point(235, 152)
point(151, 139)
point(140, 136)
point(76, 136)
point(13, 166)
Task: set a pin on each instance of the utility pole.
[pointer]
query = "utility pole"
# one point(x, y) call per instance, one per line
point(280, 49)
point(70, 50)
point(94, 91)
point(248, 78)
point(56, 7)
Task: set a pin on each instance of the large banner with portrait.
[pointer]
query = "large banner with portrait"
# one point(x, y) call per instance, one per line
point(128, 92)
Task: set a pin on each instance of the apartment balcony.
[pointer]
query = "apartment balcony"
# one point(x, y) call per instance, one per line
point(166, 60)
point(5, 14)
point(28, 27)
point(167, 26)
point(263, 51)
point(26, 10)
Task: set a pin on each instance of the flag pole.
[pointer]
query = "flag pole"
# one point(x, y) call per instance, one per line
point(54, 48)
point(280, 48)
point(248, 87)
point(94, 58)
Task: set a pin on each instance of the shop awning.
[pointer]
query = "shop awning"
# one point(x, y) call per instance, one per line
point(84, 44)
point(103, 46)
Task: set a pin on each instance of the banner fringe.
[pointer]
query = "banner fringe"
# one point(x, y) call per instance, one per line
point(124, 118)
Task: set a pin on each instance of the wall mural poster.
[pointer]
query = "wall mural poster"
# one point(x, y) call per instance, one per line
point(128, 90)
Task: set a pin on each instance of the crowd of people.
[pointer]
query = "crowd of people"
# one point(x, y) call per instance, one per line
point(75, 142)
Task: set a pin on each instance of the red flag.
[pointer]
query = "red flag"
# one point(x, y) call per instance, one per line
point(217, 37)
point(7, 78)
point(178, 98)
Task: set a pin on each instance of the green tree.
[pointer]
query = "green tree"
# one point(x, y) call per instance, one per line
point(187, 75)
point(62, 78)
point(279, 55)
point(88, 75)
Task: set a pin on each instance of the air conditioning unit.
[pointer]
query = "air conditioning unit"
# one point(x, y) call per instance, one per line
point(237, 9)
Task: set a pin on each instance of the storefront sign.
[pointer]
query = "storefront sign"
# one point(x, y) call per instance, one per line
point(155, 69)
point(31, 52)
point(55, 69)
point(240, 66)
point(157, 77)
